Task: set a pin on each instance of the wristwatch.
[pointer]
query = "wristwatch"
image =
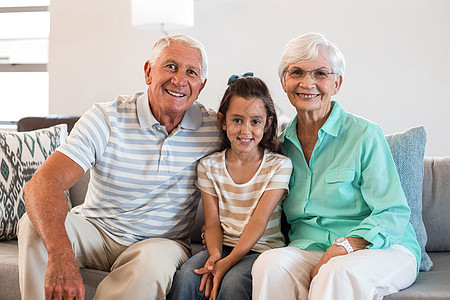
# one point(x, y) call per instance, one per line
point(342, 241)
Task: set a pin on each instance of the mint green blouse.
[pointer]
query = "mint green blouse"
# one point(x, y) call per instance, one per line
point(350, 187)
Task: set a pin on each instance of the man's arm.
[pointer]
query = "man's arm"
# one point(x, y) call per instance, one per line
point(46, 207)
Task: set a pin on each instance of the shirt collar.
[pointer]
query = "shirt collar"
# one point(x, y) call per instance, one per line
point(331, 125)
point(192, 118)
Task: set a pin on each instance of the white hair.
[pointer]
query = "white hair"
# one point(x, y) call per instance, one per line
point(306, 48)
point(162, 43)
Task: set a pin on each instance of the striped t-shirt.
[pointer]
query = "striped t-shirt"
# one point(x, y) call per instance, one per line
point(237, 202)
point(142, 179)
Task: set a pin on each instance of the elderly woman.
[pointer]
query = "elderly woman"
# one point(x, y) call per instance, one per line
point(350, 236)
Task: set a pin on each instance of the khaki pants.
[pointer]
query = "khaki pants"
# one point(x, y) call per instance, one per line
point(143, 270)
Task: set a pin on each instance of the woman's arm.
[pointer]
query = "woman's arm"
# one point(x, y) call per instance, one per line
point(382, 191)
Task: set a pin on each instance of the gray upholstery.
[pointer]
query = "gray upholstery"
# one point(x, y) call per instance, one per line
point(434, 284)
point(9, 273)
point(436, 203)
point(430, 285)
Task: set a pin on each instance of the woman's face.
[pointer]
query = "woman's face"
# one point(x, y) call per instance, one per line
point(310, 94)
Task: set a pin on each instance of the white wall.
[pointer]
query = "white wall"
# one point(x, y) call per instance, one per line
point(397, 52)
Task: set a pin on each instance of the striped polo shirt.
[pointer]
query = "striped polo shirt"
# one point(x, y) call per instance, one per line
point(237, 202)
point(142, 179)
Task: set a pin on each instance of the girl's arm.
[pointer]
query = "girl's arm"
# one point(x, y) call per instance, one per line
point(213, 237)
point(213, 231)
point(255, 228)
point(252, 233)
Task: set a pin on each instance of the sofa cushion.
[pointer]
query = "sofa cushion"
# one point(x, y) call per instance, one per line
point(436, 202)
point(21, 153)
point(408, 149)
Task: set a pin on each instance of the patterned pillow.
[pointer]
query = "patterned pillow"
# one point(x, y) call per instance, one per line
point(21, 153)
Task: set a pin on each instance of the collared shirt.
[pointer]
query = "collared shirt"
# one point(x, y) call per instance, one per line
point(350, 187)
point(142, 178)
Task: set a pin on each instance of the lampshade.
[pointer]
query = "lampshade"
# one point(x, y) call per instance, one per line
point(153, 14)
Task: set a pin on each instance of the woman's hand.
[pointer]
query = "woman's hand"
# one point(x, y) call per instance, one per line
point(206, 283)
point(335, 250)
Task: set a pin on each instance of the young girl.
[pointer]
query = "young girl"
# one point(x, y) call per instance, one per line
point(242, 188)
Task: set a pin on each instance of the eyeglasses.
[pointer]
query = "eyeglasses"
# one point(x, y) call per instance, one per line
point(317, 75)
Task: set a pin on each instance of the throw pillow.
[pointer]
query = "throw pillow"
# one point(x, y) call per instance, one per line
point(21, 153)
point(408, 150)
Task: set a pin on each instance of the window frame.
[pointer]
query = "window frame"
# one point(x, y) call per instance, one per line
point(21, 67)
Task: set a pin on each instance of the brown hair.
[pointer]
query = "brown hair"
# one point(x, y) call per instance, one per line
point(251, 88)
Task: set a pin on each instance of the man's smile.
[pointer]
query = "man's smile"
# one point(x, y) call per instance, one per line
point(175, 93)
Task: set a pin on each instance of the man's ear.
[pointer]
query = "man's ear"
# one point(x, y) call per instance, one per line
point(203, 85)
point(147, 69)
point(221, 119)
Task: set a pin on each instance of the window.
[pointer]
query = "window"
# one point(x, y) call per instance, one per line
point(24, 34)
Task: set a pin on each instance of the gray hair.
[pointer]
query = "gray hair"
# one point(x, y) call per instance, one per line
point(162, 43)
point(305, 48)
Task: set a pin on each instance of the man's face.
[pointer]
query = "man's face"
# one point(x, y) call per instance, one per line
point(174, 80)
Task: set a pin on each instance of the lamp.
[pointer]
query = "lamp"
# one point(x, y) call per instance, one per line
point(163, 14)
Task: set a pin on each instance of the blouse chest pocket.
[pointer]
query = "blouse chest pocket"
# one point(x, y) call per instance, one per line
point(339, 186)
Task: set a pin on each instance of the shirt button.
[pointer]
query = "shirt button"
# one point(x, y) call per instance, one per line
point(339, 176)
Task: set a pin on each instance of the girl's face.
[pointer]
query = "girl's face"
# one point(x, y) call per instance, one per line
point(245, 123)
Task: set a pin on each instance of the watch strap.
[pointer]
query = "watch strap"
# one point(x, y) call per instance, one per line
point(344, 243)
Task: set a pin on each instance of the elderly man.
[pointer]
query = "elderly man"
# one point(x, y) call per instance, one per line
point(142, 152)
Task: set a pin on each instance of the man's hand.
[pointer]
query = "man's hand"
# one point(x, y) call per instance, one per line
point(63, 279)
point(203, 237)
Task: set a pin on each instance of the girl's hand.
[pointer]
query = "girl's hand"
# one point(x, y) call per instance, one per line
point(220, 270)
point(206, 272)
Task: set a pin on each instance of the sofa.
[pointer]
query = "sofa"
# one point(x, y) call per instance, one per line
point(432, 210)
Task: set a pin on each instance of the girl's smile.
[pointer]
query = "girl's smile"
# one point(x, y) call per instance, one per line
point(245, 123)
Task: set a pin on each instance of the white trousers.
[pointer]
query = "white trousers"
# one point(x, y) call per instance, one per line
point(284, 273)
point(143, 270)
